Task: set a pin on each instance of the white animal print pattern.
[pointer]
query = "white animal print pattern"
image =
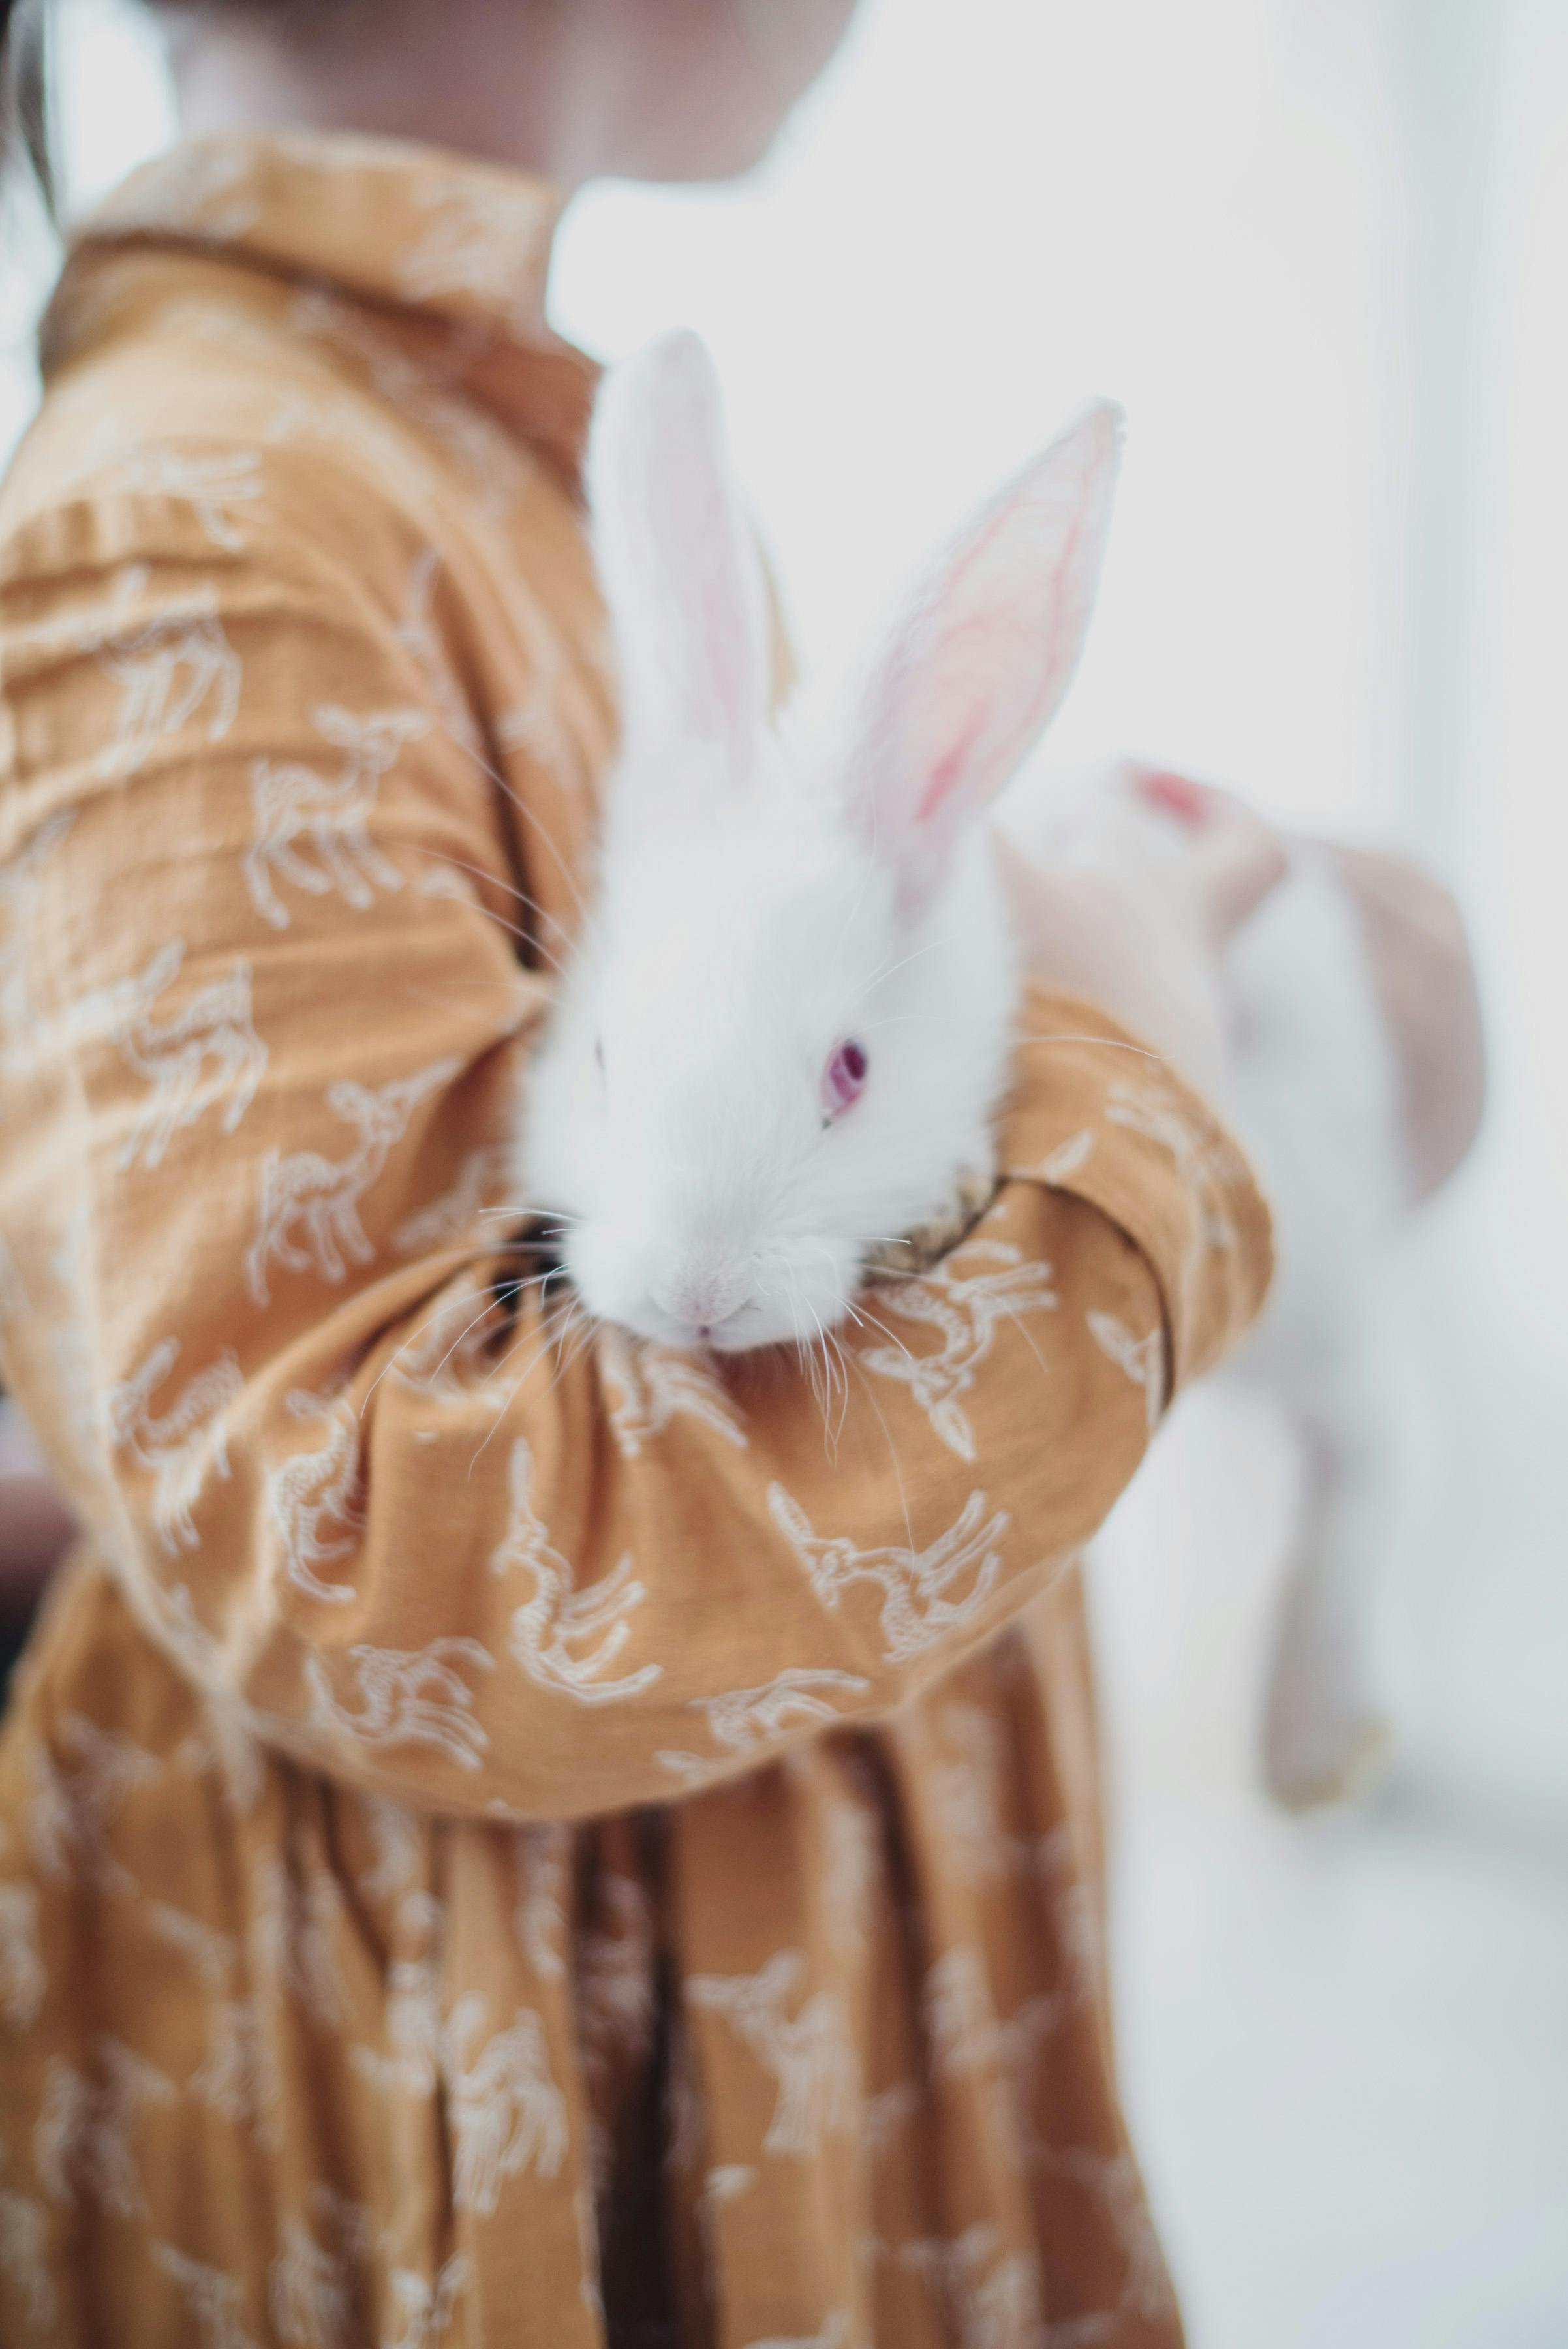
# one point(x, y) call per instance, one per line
point(181, 1446)
point(216, 486)
point(414, 1698)
point(481, 241)
point(172, 1055)
point(316, 1491)
point(84, 2143)
point(649, 1385)
point(508, 2112)
point(916, 1608)
point(319, 1198)
point(809, 2055)
point(169, 670)
point(297, 808)
point(964, 1308)
point(24, 2230)
point(1143, 1358)
point(1208, 1161)
point(567, 1639)
point(213, 2298)
point(426, 2308)
point(309, 2296)
point(743, 1718)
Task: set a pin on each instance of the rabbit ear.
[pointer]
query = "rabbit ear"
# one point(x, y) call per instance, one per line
point(982, 654)
point(676, 562)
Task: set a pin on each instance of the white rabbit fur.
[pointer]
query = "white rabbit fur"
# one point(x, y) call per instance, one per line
point(1314, 1092)
point(770, 892)
point(1317, 1088)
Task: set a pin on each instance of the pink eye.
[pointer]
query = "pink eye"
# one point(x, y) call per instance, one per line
point(844, 1079)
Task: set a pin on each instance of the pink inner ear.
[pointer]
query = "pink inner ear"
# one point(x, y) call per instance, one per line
point(947, 769)
point(1177, 796)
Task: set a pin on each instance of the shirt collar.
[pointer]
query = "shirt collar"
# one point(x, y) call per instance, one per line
point(395, 223)
point(451, 253)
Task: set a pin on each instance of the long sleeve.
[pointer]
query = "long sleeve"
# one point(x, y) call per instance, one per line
point(265, 1028)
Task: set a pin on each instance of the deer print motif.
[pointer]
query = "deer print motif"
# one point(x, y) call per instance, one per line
point(1143, 1358)
point(82, 2147)
point(448, 1356)
point(213, 2300)
point(1077, 1909)
point(992, 2297)
point(739, 1719)
point(76, 1799)
point(488, 242)
point(238, 2077)
point(415, 1697)
point(24, 2234)
point(426, 2309)
point(965, 1309)
point(172, 1054)
point(916, 1608)
point(211, 485)
point(810, 2055)
point(480, 1180)
point(969, 2038)
point(393, 454)
point(1207, 1159)
point(960, 2018)
point(1112, 2177)
point(181, 1448)
point(506, 2113)
point(549, 1631)
point(417, 636)
point(651, 1383)
point(492, 461)
point(294, 1936)
point(294, 804)
point(544, 1872)
point(309, 2296)
point(167, 669)
point(967, 1784)
point(1057, 1165)
point(613, 1989)
point(319, 1198)
point(315, 1489)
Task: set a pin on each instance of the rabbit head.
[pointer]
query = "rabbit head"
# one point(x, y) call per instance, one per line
point(788, 1022)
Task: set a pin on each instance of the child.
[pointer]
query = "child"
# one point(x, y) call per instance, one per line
point(459, 1880)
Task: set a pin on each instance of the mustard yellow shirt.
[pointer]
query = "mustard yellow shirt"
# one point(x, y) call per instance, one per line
point(495, 1846)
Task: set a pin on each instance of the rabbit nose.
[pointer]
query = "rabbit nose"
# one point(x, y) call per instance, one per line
point(700, 1301)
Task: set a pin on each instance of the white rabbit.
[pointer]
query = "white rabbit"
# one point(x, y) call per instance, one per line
point(1355, 1078)
point(789, 1021)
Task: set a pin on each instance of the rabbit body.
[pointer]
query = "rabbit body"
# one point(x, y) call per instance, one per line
point(1317, 1100)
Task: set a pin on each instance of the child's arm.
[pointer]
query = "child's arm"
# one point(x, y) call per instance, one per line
point(562, 1575)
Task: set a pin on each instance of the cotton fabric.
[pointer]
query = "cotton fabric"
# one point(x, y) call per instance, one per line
point(501, 1842)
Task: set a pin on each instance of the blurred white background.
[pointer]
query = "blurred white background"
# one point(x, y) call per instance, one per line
point(1319, 249)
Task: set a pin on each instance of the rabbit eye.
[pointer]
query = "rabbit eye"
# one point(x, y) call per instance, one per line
point(844, 1079)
